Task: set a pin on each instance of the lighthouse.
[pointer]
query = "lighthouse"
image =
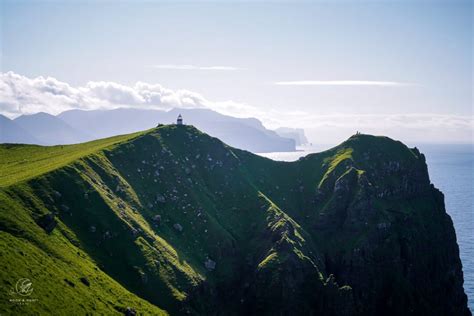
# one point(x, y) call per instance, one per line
point(179, 121)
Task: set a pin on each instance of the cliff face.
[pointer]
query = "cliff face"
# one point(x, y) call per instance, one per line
point(191, 225)
point(404, 258)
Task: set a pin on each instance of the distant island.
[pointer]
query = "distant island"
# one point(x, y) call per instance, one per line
point(297, 134)
point(78, 126)
point(173, 221)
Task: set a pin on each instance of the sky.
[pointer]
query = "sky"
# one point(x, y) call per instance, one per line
point(396, 68)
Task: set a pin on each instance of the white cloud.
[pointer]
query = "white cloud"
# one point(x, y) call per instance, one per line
point(23, 95)
point(343, 83)
point(194, 67)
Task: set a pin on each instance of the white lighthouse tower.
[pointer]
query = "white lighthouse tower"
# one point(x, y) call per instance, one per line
point(179, 121)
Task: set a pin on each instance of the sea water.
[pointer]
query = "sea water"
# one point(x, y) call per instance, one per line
point(451, 169)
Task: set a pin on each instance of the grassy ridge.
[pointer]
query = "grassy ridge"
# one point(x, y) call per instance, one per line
point(23, 162)
point(172, 219)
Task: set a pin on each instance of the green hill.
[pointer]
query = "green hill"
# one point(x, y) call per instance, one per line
point(173, 220)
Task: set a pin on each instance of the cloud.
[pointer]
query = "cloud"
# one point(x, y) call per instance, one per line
point(22, 95)
point(343, 83)
point(194, 67)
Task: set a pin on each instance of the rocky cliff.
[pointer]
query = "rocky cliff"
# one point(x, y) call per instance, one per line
point(172, 220)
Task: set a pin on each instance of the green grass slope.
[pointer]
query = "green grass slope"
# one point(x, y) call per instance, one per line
point(22, 162)
point(173, 220)
point(66, 280)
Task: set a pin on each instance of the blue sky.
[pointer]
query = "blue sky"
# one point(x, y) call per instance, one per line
point(392, 67)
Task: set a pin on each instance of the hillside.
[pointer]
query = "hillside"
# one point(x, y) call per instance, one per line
point(174, 220)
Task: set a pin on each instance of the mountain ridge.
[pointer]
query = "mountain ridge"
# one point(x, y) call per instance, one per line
point(50, 129)
point(244, 133)
point(192, 225)
point(77, 126)
point(10, 132)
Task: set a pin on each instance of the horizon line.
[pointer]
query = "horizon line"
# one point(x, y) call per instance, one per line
point(343, 83)
point(194, 67)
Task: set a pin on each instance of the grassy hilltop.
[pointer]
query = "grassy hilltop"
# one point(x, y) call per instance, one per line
point(171, 220)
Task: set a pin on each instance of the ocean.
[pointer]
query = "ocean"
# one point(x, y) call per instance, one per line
point(451, 169)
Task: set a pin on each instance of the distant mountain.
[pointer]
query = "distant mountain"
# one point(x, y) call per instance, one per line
point(105, 123)
point(78, 126)
point(10, 132)
point(244, 133)
point(50, 130)
point(293, 133)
